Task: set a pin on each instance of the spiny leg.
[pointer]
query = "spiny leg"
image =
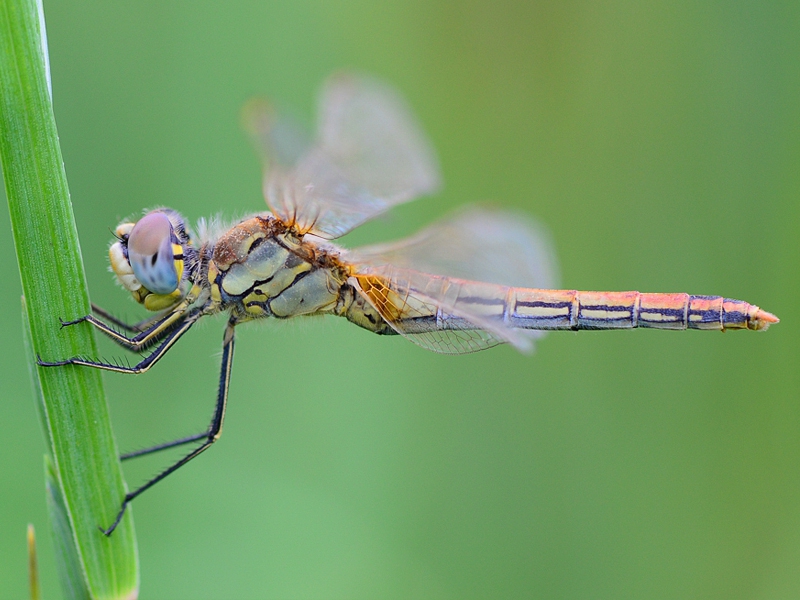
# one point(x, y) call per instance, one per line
point(124, 341)
point(132, 328)
point(164, 446)
point(156, 355)
point(211, 436)
point(159, 327)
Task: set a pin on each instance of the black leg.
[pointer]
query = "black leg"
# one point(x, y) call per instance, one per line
point(124, 341)
point(167, 343)
point(164, 446)
point(132, 328)
point(158, 329)
point(211, 436)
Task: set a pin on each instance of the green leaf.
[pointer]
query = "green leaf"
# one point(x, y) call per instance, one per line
point(85, 474)
point(68, 562)
point(70, 571)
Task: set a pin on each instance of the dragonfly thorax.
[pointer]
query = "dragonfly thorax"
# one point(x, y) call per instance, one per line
point(261, 268)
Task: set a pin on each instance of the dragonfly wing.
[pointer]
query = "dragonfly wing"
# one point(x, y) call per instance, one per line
point(477, 243)
point(279, 140)
point(443, 314)
point(460, 266)
point(370, 155)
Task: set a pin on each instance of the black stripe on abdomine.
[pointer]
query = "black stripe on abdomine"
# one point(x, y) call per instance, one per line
point(544, 304)
point(606, 307)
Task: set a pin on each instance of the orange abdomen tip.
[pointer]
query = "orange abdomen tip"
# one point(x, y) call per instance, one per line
point(761, 319)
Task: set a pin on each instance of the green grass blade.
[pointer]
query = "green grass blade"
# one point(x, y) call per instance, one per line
point(68, 563)
point(85, 464)
point(70, 571)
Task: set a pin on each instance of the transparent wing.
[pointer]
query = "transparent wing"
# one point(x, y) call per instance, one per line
point(478, 243)
point(279, 139)
point(446, 288)
point(442, 314)
point(370, 155)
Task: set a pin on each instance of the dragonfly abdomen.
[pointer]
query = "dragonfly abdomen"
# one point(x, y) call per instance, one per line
point(576, 310)
point(415, 304)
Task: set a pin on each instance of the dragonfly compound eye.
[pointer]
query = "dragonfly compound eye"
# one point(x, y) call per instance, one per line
point(155, 254)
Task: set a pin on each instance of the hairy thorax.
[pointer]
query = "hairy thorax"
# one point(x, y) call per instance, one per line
point(259, 268)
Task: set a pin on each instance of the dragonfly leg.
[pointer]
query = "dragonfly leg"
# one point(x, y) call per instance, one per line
point(164, 446)
point(167, 342)
point(126, 342)
point(157, 329)
point(211, 435)
point(131, 327)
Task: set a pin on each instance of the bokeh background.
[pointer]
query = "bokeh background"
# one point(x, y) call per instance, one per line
point(659, 142)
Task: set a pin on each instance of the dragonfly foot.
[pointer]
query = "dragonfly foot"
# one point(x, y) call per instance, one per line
point(59, 363)
point(68, 323)
point(110, 530)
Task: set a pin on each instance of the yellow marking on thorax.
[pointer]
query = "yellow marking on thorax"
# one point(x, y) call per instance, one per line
point(253, 303)
point(213, 273)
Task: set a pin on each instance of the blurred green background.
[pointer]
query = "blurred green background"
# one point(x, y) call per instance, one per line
point(658, 142)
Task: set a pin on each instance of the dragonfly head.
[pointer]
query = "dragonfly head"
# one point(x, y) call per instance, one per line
point(149, 257)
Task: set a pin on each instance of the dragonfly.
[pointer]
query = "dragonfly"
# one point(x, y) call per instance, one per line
point(475, 279)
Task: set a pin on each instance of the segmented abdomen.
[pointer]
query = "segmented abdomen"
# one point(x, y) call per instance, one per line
point(570, 309)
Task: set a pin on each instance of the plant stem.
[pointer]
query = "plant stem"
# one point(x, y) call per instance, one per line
point(81, 443)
